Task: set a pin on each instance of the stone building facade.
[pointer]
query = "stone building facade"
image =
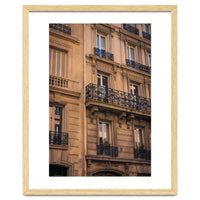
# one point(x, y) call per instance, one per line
point(100, 99)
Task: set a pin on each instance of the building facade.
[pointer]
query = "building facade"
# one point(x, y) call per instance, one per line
point(99, 99)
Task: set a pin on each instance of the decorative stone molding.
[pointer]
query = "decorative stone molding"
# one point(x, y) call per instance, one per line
point(94, 65)
point(93, 113)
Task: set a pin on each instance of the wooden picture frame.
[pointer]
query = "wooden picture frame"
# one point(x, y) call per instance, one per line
point(100, 8)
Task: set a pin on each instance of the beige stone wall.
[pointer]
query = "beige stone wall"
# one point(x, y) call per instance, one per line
point(72, 98)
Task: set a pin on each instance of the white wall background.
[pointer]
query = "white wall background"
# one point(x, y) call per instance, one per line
point(11, 96)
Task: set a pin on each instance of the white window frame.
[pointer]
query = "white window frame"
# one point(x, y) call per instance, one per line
point(103, 131)
point(100, 36)
point(137, 137)
point(132, 84)
point(148, 59)
point(128, 51)
point(147, 28)
point(101, 79)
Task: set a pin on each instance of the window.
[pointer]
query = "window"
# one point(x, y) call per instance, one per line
point(57, 62)
point(105, 144)
point(147, 28)
point(55, 118)
point(139, 138)
point(104, 133)
point(101, 42)
point(131, 53)
point(133, 89)
point(56, 136)
point(102, 86)
point(148, 59)
point(101, 45)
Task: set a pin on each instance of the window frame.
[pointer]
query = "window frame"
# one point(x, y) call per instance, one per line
point(133, 84)
point(55, 116)
point(110, 142)
point(148, 58)
point(128, 52)
point(147, 28)
point(143, 138)
point(99, 46)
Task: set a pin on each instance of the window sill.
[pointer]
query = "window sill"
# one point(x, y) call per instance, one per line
point(58, 147)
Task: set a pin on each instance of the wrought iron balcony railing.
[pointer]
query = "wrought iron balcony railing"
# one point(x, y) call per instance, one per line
point(146, 35)
point(107, 150)
point(142, 153)
point(103, 54)
point(58, 81)
point(58, 138)
point(131, 29)
point(139, 66)
point(61, 27)
point(116, 97)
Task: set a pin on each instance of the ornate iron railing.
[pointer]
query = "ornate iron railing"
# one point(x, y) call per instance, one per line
point(107, 150)
point(61, 28)
point(131, 29)
point(103, 54)
point(58, 138)
point(146, 35)
point(116, 97)
point(142, 153)
point(139, 66)
point(58, 81)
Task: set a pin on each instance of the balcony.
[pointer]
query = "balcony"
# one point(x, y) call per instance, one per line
point(142, 154)
point(57, 81)
point(146, 35)
point(131, 29)
point(138, 66)
point(58, 138)
point(61, 28)
point(107, 150)
point(103, 54)
point(117, 98)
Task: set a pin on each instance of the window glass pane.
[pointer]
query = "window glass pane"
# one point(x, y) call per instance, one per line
point(107, 133)
point(98, 41)
point(100, 133)
point(136, 137)
point(104, 81)
point(140, 136)
point(128, 53)
point(103, 43)
point(135, 90)
point(132, 54)
point(98, 80)
point(149, 59)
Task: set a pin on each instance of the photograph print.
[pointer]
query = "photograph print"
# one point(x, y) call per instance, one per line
point(99, 99)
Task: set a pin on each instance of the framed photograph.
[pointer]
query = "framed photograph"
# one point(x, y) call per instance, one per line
point(99, 100)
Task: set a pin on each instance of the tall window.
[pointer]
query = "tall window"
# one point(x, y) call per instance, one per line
point(102, 86)
point(147, 28)
point(101, 45)
point(148, 59)
point(57, 62)
point(133, 89)
point(131, 53)
point(55, 124)
point(139, 138)
point(104, 133)
point(101, 42)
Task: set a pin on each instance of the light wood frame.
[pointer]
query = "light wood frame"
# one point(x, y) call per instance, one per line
point(100, 8)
